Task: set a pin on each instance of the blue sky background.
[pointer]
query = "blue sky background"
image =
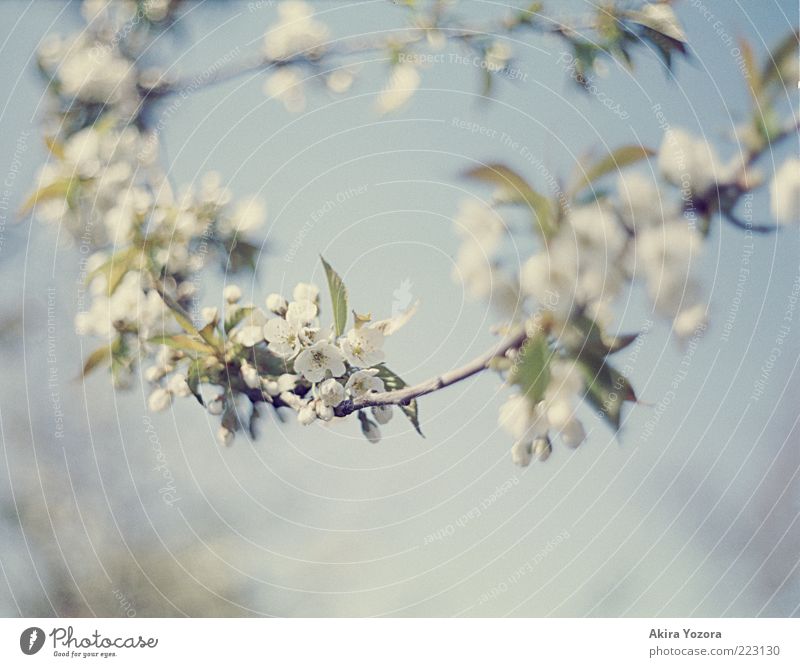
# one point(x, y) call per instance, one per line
point(698, 518)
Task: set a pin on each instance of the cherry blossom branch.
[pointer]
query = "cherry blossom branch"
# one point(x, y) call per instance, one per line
point(407, 394)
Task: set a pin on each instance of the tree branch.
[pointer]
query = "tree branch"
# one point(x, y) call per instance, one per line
point(407, 394)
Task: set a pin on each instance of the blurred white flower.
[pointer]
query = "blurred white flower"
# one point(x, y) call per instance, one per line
point(159, 400)
point(249, 214)
point(250, 331)
point(403, 82)
point(178, 386)
point(640, 203)
point(785, 193)
point(286, 85)
point(296, 32)
point(301, 313)
point(687, 162)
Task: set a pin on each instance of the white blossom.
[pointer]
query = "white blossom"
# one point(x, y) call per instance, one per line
point(315, 362)
point(363, 382)
point(362, 346)
point(283, 338)
point(785, 193)
point(640, 202)
point(251, 329)
point(301, 313)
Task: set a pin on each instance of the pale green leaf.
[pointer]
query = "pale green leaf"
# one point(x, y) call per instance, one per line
point(338, 298)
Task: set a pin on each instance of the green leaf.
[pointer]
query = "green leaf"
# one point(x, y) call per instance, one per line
point(183, 320)
point(101, 355)
point(606, 388)
point(614, 161)
point(338, 298)
point(531, 369)
point(779, 59)
point(751, 74)
point(590, 338)
point(56, 190)
point(516, 189)
point(193, 377)
point(183, 343)
point(238, 315)
point(393, 382)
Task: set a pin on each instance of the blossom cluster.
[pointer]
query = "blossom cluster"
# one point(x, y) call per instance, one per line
point(590, 253)
point(280, 356)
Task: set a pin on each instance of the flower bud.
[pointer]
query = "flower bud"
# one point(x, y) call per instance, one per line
point(177, 385)
point(232, 293)
point(159, 400)
point(277, 304)
point(210, 315)
point(382, 413)
point(324, 412)
point(331, 392)
point(572, 434)
point(250, 376)
point(521, 453)
point(225, 436)
point(542, 448)
point(306, 415)
point(216, 405)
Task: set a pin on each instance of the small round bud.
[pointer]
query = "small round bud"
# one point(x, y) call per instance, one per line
point(324, 412)
point(216, 405)
point(542, 448)
point(250, 376)
point(306, 415)
point(277, 304)
point(383, 413)
point(232, 293)
point(225, 436)
point(210, 315)
point(573, 434)
point(159, 400)
point(521, 453)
